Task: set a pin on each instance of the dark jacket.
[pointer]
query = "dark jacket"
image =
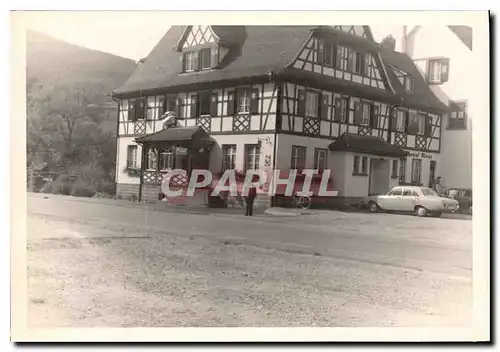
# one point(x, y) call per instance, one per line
point(252, 192)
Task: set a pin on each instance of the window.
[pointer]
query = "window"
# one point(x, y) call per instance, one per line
point(437, 70)
point(132, 156)
point(252, 157)
point(364, 165)
point(344, 110)
point(170, 104)
point(355, 168)
point(205, 55)
point(190, 58)
point(359, 63)
point(351, 57)
point(298, 158)
point(416, 124)
point(402, 171)
point(401, 121)
point(328, 55)
point(394, 169)
point(319, 159)
point(228, 157)
point(416, 169)
point(312, 100)
point(458, 115)
point(243, 101)
point(341, 57)
point(136, 109)
point(397, 191)
point(204, 98)
point(166, 160)
point(421, 124)
point(408, 83)
point(151, 160)
point(367, 110)
point(405, 79)
point(408, 192)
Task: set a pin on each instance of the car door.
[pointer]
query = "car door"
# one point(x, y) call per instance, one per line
point(408, 199)
point(391, 200)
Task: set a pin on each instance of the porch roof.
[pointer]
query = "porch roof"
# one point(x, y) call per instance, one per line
point(365, 144)
point(180, 135)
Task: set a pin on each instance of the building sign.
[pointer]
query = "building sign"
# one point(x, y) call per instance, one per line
point(420, 155)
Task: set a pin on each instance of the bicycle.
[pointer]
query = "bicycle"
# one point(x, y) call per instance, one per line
point(301, 201)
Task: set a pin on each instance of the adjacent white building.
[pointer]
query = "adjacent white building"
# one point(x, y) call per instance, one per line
point(444, 55)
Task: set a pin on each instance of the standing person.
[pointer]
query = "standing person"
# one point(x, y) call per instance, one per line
point(252, 193)
point(438, 185)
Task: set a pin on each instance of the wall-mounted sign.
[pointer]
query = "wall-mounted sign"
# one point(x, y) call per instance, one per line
point(267, 160)
point(181, 151)
point(419, 155)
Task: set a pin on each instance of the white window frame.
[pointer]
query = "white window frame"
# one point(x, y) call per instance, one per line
point(341, 60)
point(168, 154)
point(229, 152)
point(312, 104)
point(298, 157)
point(151, 159)
point(252, 157)
point(435, 70)
point(401, 124)
point(320, 155)
point(244, 101)
point(366, 114)
point(402, 170)
point(209, 50)
point(190, 59)
point(132, 155)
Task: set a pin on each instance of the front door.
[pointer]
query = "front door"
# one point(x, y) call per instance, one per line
point(432, 173)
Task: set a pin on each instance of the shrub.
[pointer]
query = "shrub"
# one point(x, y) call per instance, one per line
point(108, 188)
point(82, 189)
point(60, 186)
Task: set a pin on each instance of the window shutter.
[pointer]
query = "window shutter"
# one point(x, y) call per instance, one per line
point(320, 54)
point(324, 107)
point(183, 62)
point(230, 103)
point(196, 61)
point(140, 109)
point(338, 110)
point(428, 70)
point(213, 104)
point(131, 110)
point(428, 126)
point(350, 60)
point(214, 57)
point(445, 66)
point(302, 103)
point(374, 117)
point(366, 67)
point(394, 120)
point(194, 106)
point(254, 101)
point(358, 113)
point(180, 109)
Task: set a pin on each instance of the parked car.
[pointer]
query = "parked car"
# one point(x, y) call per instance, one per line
point(419, 200)
point(463, 196)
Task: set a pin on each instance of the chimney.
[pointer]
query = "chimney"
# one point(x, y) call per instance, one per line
point(404, 48)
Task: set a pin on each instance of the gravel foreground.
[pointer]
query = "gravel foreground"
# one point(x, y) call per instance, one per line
point(95, 276)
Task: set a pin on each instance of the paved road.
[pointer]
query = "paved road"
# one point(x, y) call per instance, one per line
point(439, 245)
point(106, 263)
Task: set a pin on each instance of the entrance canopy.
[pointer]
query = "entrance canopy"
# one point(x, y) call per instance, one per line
point(187, 137)
point(365, 144)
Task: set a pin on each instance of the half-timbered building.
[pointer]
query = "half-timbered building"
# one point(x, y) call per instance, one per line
point(277, 97)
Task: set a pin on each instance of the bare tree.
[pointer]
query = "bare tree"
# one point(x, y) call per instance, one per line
point(389, 42)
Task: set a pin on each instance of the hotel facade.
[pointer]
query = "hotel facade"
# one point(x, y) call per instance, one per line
point(278, 97)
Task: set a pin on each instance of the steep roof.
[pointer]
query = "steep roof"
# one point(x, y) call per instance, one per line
point(421, 95)
point(258, 50)
point(261, 49)
point(176, 134)
point(464, 33)
point(365, 144)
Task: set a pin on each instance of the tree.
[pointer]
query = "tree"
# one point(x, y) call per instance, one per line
point(389, 42)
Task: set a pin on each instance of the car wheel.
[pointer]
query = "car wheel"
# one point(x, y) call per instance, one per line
point(373, 207)
point(420, 211)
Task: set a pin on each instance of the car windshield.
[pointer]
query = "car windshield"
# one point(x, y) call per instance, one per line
point(428, 192)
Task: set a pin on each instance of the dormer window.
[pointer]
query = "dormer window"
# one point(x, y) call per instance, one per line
point(404, 78)
point(190, 59)
point(202, 59)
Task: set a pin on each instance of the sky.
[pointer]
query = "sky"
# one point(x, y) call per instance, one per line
point(128, 34)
